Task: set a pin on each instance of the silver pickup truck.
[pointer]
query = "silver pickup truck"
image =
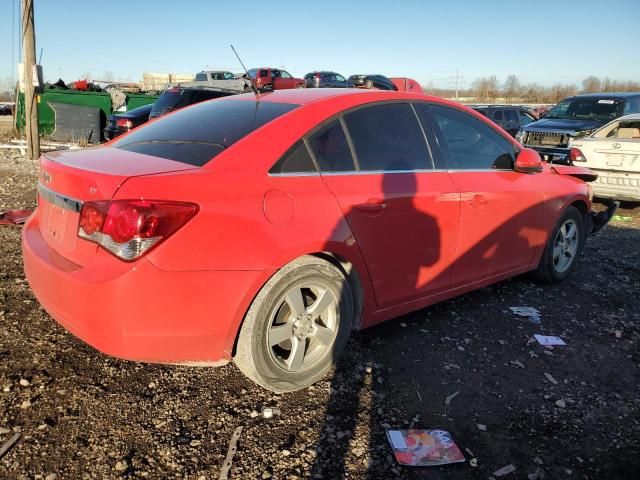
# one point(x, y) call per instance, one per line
point(219, 79)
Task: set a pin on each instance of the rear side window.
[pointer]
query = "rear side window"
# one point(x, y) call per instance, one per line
point(331, 149)
point(264, 73)
point(469, 143)
point(201, 77)
point(511, 116)
point(197, 134)
point(388, 138)
point(497, 115)
point(296, 160)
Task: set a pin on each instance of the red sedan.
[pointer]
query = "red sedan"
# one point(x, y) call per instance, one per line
point(265, 229)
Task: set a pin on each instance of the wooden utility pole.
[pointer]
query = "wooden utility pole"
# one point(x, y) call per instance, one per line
point(30, 89)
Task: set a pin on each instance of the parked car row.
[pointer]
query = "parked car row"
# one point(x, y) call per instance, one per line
point(572, 118)
point(210, 84)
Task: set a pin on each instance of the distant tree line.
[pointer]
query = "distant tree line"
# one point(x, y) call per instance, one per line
point(489, 89)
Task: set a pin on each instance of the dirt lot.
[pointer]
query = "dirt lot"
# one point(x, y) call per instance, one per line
point(84, 415)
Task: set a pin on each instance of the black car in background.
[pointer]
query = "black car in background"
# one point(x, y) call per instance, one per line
point(323, 79)
point(119, 123)
point(178, 97)
point(509, 117)
point(371, 81)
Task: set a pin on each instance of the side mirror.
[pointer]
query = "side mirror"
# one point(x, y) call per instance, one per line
point(528, 161)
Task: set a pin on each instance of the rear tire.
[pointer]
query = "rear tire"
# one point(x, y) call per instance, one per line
point(296, 327)
point(563, 248)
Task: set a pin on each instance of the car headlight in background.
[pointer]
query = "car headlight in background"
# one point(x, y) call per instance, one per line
point(520, 135)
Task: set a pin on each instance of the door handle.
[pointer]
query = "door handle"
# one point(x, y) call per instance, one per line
point(373, 205)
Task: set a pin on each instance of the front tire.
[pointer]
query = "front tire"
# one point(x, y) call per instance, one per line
point(296, 327)
point(564, 247)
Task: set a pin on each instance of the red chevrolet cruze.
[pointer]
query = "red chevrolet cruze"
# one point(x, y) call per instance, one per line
point(266, 228)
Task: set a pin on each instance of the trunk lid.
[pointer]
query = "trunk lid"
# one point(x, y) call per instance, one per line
point(617, 155)
point(69, 178)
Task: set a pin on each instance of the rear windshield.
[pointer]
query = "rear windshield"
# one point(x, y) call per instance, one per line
point(197, 134)
point(176, 98)
point(201, 77)
point(599, 109)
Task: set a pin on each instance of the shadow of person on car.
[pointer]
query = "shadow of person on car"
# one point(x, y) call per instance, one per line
point(399, 242)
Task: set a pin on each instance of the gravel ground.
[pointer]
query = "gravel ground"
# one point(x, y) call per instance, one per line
point(84, 415)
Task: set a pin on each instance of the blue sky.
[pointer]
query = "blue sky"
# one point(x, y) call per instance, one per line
point(425, 40)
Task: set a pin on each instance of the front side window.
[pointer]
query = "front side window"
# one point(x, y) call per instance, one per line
point(388, 137)
point(264, 73)
point(631, 106)
point(525, 118)
point(468, 143)
point(284, 74)
point(340, 78)
point(331, 149)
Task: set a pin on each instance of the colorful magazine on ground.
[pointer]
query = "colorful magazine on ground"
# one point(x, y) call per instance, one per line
point(421, 448)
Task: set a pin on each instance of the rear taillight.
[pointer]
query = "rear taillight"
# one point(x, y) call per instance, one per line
point(129, 228)
point(123, 122)
point(576, 155)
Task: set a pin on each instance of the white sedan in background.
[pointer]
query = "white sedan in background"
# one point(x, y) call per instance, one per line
point(613, 152)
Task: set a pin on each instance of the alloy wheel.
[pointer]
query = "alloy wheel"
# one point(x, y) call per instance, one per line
point(303, 326)
point(565, 246)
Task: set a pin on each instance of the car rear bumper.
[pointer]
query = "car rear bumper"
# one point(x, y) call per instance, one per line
point(137, 311)
point(618, 185)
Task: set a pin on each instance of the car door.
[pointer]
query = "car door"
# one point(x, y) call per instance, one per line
point(501, 225)
point(285, 80)
point(403, 213)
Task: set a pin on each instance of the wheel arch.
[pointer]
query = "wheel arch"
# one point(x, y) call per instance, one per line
point(353, 275)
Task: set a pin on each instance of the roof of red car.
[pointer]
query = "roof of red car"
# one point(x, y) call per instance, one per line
point(303, 96)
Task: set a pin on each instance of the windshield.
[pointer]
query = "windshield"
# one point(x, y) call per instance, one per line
point(195, 135)
point(599, 109)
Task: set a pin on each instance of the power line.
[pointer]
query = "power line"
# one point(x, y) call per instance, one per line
point(456, 81)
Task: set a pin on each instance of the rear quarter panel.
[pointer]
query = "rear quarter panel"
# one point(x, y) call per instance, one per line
point(562, 191)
